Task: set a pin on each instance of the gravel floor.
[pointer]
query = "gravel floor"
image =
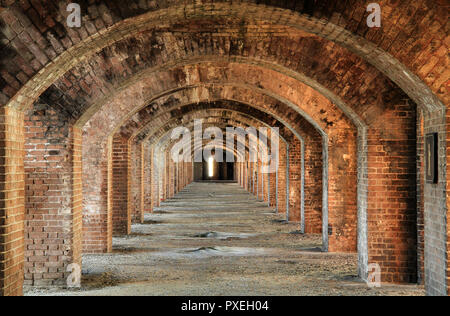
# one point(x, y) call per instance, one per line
point(214, 240)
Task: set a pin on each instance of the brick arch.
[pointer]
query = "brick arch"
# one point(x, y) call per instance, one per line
point(183, 110)
point(242, 12)
point(254, 112)
point(163, 141)
point(395, 114)
point(121, 194)
point(291, 126)
point(140, 116)
point(428, 120)
point(261, 186)
point(300, 139)
point(161, 131)
point(325, 115)
point(104, 129)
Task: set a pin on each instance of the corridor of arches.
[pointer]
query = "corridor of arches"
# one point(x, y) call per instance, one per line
point(284, 143)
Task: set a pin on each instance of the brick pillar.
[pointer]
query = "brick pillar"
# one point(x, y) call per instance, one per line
point(252, 178)
point(446, 181)
point(97, 194)
point(249, 177)
point(313, 185)
point(53, 197)
point(172, 177)
point(186, 175)
point(241, 174)
point(420, 198)
point(167, 177)
point(295, 179)
point(12, 202)
point(176, 177)
point(121, 188)
point(161, 175)
point(241, 170)
point(342, 193)
point(267, 187)
point(392, 201)
point(260, 191)
point(246, 175)
point(255, 179)
point(164, 179)
point(163, 189)
point(153, 196)
point(137, 179)
point(281, 198)
point(179, 177)
point(144, 182)
point(273, 189)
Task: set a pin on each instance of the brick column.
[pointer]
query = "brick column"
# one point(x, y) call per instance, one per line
point(121, 188)
point(137, 179)
point(260, 183)
point(97, 194)
point(12, 203)
point(392, 201)
point(53, 197)
point(273, 189)
point(163, 179)
point(342, 193)
point(295, 179)
point(281, 197)
point(249, 177)
point(153, 180)
point(313, 185)
point(446, 181)
point(267, 188)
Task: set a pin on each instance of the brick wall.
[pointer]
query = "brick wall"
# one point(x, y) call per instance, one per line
point(436, 212)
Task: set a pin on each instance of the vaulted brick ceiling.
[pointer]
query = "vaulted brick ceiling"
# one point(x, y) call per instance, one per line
point(46, 35)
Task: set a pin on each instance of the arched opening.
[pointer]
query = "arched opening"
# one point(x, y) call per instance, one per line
point(213, 170)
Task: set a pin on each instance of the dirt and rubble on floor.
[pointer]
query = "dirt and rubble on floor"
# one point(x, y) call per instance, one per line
point(217, 240)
